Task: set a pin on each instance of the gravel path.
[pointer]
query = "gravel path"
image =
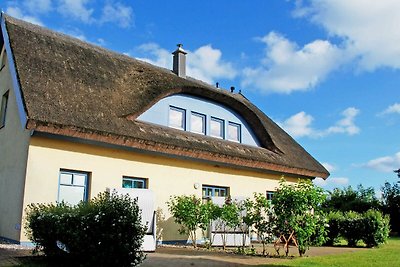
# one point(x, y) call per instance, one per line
point(9, 254)
point(177, 256)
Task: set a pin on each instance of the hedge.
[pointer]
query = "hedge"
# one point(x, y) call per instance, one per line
point(105, 231)
point(371, 227)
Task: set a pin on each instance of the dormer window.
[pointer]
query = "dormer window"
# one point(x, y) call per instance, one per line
point(217, 127)
point(200, 116)
point(177, 118)
point(198, 123)
point(234, 132)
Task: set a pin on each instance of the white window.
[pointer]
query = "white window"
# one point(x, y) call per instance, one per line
point(132, 182)
point(73, 187)
point(198, 123)
point(234, 132)
point(214, 191)
point(270, 195)
point(3, 109)
point(177, 118)
point(217, 127)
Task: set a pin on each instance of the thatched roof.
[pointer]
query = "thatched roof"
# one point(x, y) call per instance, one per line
point(76, 89)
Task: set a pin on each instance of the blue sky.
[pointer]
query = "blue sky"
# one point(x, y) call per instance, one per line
point(327, 71)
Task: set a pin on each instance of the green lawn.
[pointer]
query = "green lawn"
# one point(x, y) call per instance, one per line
point(386, 255)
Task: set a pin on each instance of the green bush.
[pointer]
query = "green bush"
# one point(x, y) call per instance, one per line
point(335, 219)
point(106, 231)
point(376, 228)
point(352, 228)
point(371, 227)
point(298, 212)
point(391, 204)
point(349, 199)
point(47, 224)
point(191, 214)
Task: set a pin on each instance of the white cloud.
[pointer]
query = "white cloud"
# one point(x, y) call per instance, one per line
point(331, 182)
point(346, 125)
point(368, 28)
point(154, 54)
point(384, 164)
point(205, 63)
point(81, 10)
point(118, 13)
point(299, 125)
point(395, 108)
point(17, 13)
point(38, 6)
point(329, 167)
point(77, 9)
point(286, 67)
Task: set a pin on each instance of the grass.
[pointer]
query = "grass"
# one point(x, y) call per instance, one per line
point(386, 255)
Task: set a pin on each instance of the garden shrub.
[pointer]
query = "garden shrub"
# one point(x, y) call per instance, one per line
point(391, 204)
point(106, 231)
point(352, 228)
point(376, 228)
point(298, 211)
point(47, 224)
point(349, 199)
point(191, 214)
point(335, 219)
point(371, 227)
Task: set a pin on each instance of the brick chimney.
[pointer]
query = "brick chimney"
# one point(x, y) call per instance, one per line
point(179, 67)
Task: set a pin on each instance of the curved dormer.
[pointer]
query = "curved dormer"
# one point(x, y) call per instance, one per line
point(201, 116)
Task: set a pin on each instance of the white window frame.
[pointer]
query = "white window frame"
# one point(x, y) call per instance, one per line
point(183, 112)
point(204, 120)
point(214, 189)
point(85, 186)
point(133, 180)
point(269, 195)
point(3, 109)
point(239, 132)
point(222, 131)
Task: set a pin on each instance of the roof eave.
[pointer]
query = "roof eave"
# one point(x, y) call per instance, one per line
point(169, 150)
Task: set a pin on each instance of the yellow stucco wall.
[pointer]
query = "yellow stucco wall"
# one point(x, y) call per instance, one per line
point(13, 156)
point(166, 176)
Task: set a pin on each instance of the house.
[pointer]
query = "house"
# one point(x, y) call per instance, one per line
point(77, 119)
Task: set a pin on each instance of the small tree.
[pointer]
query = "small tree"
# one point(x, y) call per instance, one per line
point(298, 213)
point(215, 221)
point(349, 199)
point(191, 214)
point(229, 219)
point(245, 220)
point(259, 216)
point(391, 204)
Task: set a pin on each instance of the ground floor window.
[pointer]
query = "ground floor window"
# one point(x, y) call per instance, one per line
point(73, 186)
point(214, 191)
point(270, 195)
point(134, 182)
